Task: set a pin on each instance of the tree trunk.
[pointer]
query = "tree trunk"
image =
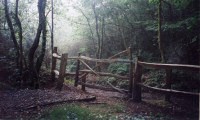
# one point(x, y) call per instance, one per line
point(121, 32)
point(32, 70)
point(102, 37)
point(18, 23)
point(10, 25)
point(52, 25)
point(97, 31)
point(160, 45)
point(98, 56)
point(41, 57)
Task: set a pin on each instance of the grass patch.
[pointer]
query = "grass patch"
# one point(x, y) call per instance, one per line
point(84, 112)
point(68, 112)
point(96, 112)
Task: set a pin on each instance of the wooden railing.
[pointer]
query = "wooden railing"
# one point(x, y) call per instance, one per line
point(139, 65)
point(135, 84)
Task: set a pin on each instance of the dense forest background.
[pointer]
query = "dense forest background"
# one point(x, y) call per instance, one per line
point(157, 30)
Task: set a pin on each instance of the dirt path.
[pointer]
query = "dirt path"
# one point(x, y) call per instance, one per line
point(31, 103)
point(152, 105)
point(22, 103)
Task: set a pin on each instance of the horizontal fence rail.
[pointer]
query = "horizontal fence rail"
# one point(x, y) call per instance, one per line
point(168, 66)
point(170, 91)
point(104, 74)
point(104, 60)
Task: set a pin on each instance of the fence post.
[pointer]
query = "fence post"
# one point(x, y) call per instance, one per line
point(130, 73)
point(62, 71)
point(77, 71)
point(137, 79)
point(168, 83)
point(53, 64)
point(83, 81)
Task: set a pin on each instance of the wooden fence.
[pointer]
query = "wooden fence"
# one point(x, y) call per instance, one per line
point(139, 66)
point(134, 77)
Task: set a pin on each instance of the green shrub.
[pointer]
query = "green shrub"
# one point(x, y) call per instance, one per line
point(118, 68)
point(155, 78)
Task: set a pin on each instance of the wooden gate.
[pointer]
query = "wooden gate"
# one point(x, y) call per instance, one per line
point(80, 75)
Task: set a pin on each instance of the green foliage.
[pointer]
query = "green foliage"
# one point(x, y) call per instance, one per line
point(186, 24)
point(155, 78)
point(118, 68)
